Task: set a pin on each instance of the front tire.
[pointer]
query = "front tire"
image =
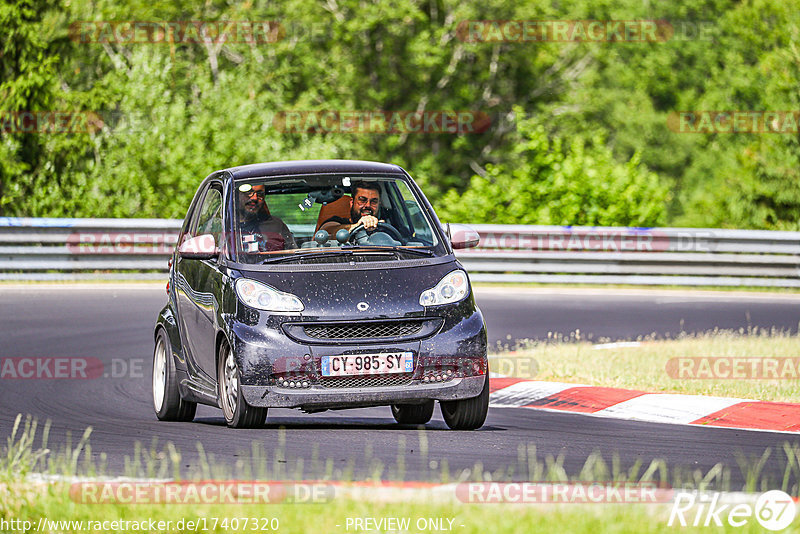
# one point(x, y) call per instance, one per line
point(238, 414)
point(167, 401)
point(467, 414)
point(413, 414)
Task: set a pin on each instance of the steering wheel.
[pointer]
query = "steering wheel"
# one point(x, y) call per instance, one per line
point(382, 226)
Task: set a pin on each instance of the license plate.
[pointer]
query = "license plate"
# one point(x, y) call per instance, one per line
point(368, 364)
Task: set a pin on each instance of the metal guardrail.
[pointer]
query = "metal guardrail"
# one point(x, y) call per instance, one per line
point(77, 249)
point(640, 256)
point(52, 249)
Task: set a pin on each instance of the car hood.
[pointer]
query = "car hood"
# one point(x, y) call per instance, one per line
point(358, 293)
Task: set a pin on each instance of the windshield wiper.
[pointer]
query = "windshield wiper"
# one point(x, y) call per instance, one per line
point(302, 256)
point(404, 250)
point(361, 250)
point(385, 249)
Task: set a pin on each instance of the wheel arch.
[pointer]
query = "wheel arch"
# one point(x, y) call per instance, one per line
point(166, 322)
point(221, 338)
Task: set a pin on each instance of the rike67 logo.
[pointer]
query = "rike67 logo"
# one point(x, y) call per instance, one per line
point(774, 510)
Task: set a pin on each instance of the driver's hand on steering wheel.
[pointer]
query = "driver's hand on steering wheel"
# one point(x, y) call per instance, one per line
point(370, 222)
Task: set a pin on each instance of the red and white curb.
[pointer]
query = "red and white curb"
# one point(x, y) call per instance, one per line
point(642, 406)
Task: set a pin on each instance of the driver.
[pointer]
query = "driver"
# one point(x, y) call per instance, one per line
point(260, 230)
point(364, 206)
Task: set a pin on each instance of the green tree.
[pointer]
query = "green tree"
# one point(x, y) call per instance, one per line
point(27, 83)
point(559, 182)
point(196, 107)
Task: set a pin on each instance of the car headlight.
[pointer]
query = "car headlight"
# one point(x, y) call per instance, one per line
point(452, 288)
point(262, 297)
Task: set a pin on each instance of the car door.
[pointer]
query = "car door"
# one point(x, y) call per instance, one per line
point(198, 286)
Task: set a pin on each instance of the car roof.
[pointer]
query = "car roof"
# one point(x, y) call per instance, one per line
point(282, 168)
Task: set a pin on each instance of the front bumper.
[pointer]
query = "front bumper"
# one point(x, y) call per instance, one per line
point(456, 354)
point(315, 397)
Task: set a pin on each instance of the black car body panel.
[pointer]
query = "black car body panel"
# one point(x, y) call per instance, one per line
point(284, 168)
point(350, 308)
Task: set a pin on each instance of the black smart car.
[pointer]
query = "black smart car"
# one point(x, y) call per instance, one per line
point(319, 285)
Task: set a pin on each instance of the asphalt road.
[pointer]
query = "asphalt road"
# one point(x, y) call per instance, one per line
point(114, 324)
point(627, 314)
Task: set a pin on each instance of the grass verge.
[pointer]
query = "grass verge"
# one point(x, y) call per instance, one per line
point(47, 503)
point(60, 514)
point(643, 364)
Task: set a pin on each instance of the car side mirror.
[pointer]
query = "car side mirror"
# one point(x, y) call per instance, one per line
point(462, 236)
point(201, 247)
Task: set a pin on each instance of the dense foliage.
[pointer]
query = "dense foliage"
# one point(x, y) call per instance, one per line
point(553, 181)
point(579, 132)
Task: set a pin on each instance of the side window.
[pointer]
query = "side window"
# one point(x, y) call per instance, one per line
point(421, 229)
point(209, 218)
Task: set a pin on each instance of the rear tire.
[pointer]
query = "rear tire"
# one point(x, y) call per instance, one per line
point(467, 414)
point(238, 414)
point(167, 401)
point(413, 414)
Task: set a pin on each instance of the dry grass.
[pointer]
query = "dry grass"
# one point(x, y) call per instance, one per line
point(644, 366)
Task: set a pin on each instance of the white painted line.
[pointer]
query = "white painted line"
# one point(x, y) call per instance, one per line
point(618, 345)
point(523, 393)
point(600, 414)
point(667, 408)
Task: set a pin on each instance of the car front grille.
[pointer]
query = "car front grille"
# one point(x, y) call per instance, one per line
point(343, 382)
point(364, 330)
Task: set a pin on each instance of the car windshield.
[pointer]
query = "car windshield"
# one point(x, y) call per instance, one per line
point(315, 218)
